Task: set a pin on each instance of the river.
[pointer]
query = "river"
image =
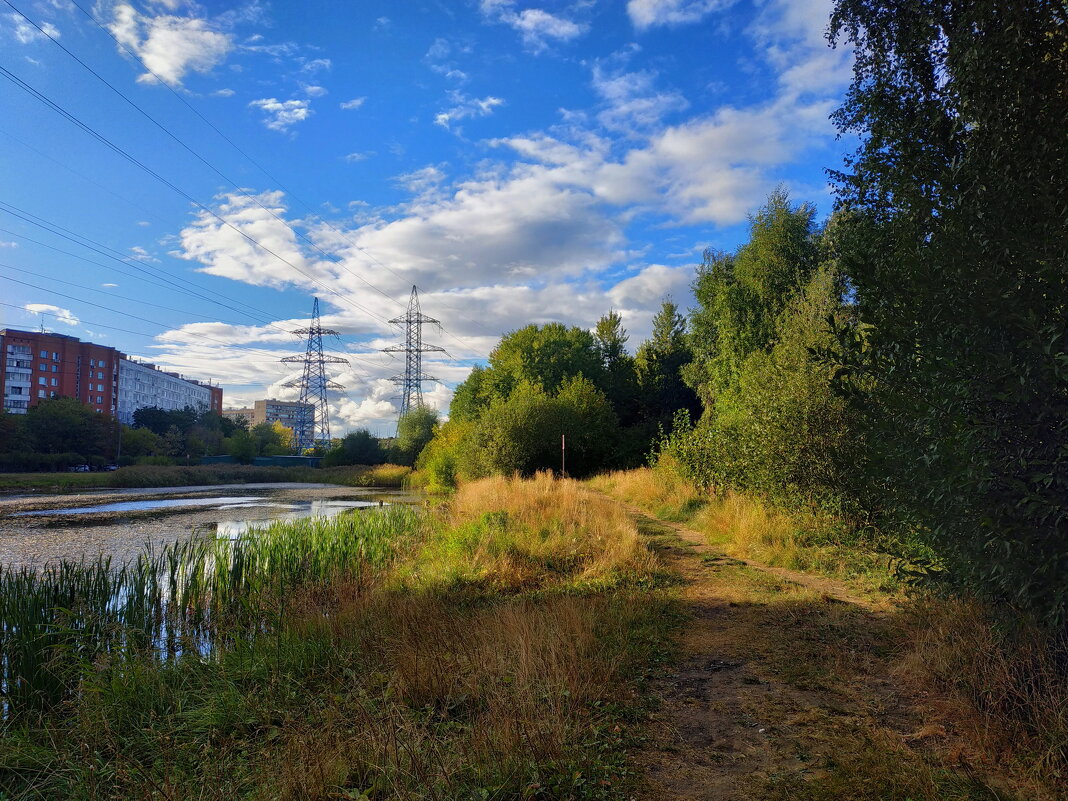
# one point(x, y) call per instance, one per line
point(41, 528)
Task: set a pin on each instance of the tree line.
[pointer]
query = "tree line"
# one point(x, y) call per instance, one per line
point(901, 365)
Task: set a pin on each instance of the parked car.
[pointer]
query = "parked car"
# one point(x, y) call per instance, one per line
point(110, 467)
point(78, 468)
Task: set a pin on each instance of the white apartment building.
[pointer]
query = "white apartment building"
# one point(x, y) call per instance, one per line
point(142, 385)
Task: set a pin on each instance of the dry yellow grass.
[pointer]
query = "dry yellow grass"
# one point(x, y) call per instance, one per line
point(1007, 696)
point(540, 533)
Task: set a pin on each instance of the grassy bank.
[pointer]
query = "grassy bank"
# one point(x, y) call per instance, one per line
point(492, 651)
point(198, 475)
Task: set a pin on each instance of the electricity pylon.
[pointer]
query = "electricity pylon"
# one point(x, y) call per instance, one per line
point(313, 385)
point(411, 382)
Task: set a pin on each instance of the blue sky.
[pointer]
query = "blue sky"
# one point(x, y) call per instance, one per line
point(519, 161)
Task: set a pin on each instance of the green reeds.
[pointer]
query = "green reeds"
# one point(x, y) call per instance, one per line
point(189, 598)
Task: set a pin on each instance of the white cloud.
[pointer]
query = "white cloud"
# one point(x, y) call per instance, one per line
point(314, 91)
point(352, 158)
point(280, 115)
point(316, 64)
point(223, 93)
point(632, 103)
point(65, 316)
point(170, 46)
point(355, 103)
point(466, 107)
point(109, 286)
point(652, 13)
point(25, 33)
point(536, 26)
point(4, 244)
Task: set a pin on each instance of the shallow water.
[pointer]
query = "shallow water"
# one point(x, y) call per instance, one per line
point(119, 528)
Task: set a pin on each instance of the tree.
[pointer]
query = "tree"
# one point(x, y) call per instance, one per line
point(544, 355)
point(357, 447)
point(414, 431)
point(64, 425)
point(741, 295)
point(659, 366)
point(618, 377)
point(160, 421)
point(955, 242)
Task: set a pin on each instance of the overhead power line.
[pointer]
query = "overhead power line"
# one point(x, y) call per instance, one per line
point(26, 87)
point(133, 54)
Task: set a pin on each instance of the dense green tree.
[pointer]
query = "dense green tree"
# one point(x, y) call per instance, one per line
point(618, 378)
point(160, 421)
point(956, 243)
point(471, 397)
point(545, 355)
point(414, 431)
point(659, 365)
point(356, 447)
point(138, 442)
point(741, 295)
point(64, 425)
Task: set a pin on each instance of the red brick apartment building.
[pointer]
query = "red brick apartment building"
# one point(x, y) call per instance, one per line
point(36, 366)
point(39, 365)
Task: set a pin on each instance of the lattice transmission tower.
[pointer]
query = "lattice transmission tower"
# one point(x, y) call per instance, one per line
point(411, 382)
point(313, 414)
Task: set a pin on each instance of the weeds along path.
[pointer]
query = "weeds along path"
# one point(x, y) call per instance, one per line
point(783, 690)
point(831, 588)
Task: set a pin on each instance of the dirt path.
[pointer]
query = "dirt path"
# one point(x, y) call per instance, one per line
point(783, 690)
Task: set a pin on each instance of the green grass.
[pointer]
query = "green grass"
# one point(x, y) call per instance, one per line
point(195, 596)
point(179, 476)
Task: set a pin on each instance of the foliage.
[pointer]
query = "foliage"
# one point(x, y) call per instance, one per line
point(659, 364)
point(954, 239)
point(357, 447)
point(772, 423)
point(414, 430)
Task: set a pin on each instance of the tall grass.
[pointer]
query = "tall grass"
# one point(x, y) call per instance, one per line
point(748, 527)
point(193, 596)
point(543, 533)
point(392, 681)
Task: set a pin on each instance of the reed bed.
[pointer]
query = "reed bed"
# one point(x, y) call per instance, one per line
point(192, 598)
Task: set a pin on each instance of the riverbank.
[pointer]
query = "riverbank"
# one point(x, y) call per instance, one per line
point(497, 650)
point(180, 476)
point(531, 640)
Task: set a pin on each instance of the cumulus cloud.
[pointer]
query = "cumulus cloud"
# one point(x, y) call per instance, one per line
point(65, 316)
point(536, 26)
point(281, 115)
point(652, 13)
point(466, 107)
point(170, 46)
point(352, 105)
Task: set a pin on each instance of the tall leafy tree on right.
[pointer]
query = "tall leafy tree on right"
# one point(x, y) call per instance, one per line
point(953, 232)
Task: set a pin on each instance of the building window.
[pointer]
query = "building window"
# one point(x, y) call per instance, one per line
point(55, 368)
point(44, 367)
point(42, 381)
point(99, 375)
point(99, 400)
point(55, 382)
point(55, 356)
point(99, 387)
point(44, 354)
